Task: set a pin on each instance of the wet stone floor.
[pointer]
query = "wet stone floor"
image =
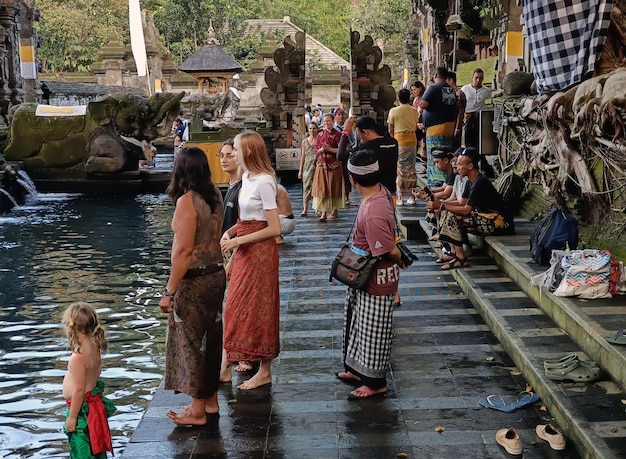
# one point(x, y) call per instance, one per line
point(444, 359)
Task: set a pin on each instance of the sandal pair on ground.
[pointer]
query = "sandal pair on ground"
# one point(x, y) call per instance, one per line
point(571, 368)
point(504, 403)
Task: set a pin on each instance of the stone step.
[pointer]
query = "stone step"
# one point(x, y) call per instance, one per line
point(536, 326)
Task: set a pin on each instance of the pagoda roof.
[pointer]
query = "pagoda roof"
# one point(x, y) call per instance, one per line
point(210, 58)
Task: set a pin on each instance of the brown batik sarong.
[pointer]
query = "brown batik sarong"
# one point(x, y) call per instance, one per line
point(251, 315)
point(454, 228)
point(194, 342)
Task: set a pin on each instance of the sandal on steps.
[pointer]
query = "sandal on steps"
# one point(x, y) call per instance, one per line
point(617, 338)
point(455, 263)
point(560, 363)
point(445, 259)
point(579, 371)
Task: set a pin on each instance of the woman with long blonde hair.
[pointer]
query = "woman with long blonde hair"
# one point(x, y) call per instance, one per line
point(251, 314)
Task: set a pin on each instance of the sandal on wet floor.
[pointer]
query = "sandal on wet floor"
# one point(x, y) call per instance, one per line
point(496, 402)
point(618, 338)
point(455, 263)
point(525, 398)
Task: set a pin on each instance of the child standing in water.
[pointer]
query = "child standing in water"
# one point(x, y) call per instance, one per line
point(86, 422)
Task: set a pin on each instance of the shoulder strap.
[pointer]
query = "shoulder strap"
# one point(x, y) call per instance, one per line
point(395, 216)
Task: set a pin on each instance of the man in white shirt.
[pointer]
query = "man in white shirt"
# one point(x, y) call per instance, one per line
point(476, 95)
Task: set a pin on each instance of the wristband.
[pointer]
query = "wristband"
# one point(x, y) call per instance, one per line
point(168, 293)
point(346, 133)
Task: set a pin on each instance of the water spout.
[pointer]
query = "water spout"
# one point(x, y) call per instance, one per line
point(27, 183)
point(8, 195)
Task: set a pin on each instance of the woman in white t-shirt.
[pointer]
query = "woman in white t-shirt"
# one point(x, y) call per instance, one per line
point(251, 314)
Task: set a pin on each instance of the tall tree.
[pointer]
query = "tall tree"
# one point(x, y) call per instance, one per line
point(73, 31)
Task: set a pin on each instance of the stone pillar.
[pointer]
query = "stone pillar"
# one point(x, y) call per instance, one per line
point(284, 97)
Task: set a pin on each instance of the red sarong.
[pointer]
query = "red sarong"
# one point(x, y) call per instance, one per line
point(97, 424)
point(251, 315)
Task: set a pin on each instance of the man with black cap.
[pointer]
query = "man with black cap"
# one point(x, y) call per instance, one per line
point(368, 312)
point(483, 213)
point(370, 137)
point(385, 147)
point(442, 157)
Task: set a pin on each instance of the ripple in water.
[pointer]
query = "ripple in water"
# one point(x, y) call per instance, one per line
point(65, 248)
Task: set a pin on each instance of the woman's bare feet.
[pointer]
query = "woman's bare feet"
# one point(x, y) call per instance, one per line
point(256, 381)
point(333, 215)
point(226, 374)
point(243, 366)
point(187, 418)
point(261, 378)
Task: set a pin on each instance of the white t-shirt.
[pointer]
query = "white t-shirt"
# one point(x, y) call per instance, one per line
point(257, 195)
point(475, 97)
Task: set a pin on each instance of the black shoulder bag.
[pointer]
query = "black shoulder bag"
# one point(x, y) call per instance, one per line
point(351, 268)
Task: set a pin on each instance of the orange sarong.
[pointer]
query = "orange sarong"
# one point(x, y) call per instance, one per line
point(252, 312)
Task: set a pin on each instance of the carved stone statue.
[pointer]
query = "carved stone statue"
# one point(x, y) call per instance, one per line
point(105, 139)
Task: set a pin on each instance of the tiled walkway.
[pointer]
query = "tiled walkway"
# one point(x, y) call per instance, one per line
point(444, 359)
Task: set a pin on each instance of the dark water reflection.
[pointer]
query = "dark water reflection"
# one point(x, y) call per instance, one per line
point(66, 248)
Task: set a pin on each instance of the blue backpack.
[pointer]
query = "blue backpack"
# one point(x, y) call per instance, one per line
point(557, 230)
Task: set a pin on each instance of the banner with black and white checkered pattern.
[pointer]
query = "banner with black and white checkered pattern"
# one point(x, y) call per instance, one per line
point(565, 37)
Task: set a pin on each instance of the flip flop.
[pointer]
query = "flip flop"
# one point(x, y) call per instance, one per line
point(455, 263)
point(496, 402)
point(525, 398)
point(352, 382)
point(444, 259)
point(618, 338)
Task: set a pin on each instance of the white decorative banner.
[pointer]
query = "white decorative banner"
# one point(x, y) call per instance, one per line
point(137, 41)
point(66, 110)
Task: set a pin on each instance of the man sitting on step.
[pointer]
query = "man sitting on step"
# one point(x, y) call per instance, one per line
point(484, 213)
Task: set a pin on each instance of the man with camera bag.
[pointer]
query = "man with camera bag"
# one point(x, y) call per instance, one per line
point(368, 312)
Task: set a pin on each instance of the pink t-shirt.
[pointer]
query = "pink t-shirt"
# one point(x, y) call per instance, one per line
point(375, 232)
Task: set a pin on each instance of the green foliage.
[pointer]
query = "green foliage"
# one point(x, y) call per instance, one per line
point(73, 31)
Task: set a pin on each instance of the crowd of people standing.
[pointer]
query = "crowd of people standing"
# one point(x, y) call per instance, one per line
point(227, 250)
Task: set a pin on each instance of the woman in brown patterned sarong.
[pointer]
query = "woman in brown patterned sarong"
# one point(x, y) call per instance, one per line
point(251, 315)
point(195, 289)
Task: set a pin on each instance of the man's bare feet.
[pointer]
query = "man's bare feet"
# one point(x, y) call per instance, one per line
point(367, 392)
point(347, 376)
point(187, 418)
point(256, 381)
